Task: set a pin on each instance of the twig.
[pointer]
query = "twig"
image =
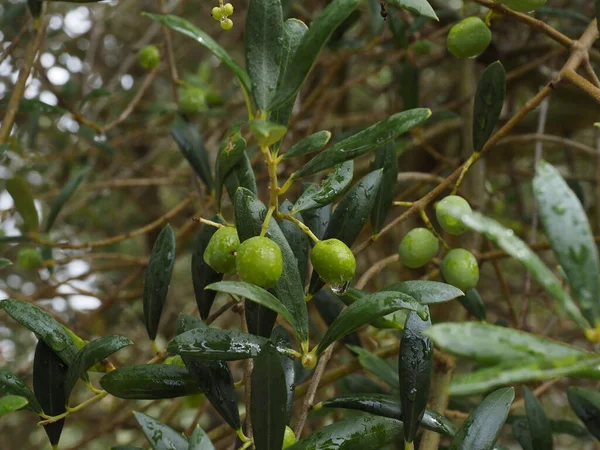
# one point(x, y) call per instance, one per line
point(375, 269)
point(13, 44)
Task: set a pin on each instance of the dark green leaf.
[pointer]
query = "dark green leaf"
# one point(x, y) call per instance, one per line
point(330, 307)
point(317, 219)
point(157, 278)
point(330, 188)
point(199, 440)
point(360, 384)
point(426, 292)
point(358, 433)
point(576, 251)
point(91, 354)
point(5, 263)
point(263, 37)
point(159, 435)
point(386, 159)
point(473, 303)
point(191, 145)
point(483, 426)
point(298, 240)
point(267, 133)
point(408, 79)
point(10, 384)
point(377, 366)
point(242, 175)
point(420, 7)
point(183, 26)
point(65, 194)
point(231, 152)
point(19, 191)
point(269, 399)
point(539, 425)
point(353, 295)
point(149, 382)
point(586, 405)
point(11, 403)
point(520, 429)
point(281, 338)
point(489, 99)
point(309, 144)
point(49, 375)
point(43, 325)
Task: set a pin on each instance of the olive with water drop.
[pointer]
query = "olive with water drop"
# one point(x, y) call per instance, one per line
point(334, 262)
point(259, 261)
point(220, 253)
point(460, 269)
point(447, 210)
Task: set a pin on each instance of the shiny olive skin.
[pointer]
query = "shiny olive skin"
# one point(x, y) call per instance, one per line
point(446, 219)
point(418, 247)
point(259, 261)
point(220, 253)
point(460, 269)
point(469, 38)
point(333, 261)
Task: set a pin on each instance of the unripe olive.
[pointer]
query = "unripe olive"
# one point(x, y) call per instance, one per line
point(228, 9)
point(460, 269)
point(30, 258)
point(333, 261)
point(289, 438)
point(447, 219)
point(469, 38)
point(418, 247)
point(523, 5)
point(259, 261)
point(220, 253)
point(149, 57)
point(226, 24)
point(192, 99)
point(217, 13)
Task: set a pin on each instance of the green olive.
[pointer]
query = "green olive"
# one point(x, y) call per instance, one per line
point(289, 438)
point(418, 247)
point(192, 100)
point(259, 261)
point(469, 38)
point(446, 211)
point(217, 13)
point(149, 57)
point(228, 7)
point(30, 258)
point(333, 261)
point(460, 269)
point(523, 5)
point(221, 250)
point(227, 24)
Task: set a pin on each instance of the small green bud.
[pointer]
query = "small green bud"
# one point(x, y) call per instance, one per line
point(226, 24)
point(149, 57)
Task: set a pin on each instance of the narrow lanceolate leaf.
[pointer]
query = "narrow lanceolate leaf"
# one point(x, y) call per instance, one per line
point(576, 250)
point(10, 384)
point(309, 144)
point(267, 133)
point(489, 99)
point(159, 435)
point(263, 37)
point(520, 372)
point(330, 307)
point(281, 338)
point(65, 194)
point(249, 216)
point(586, 405)
point(231, 152)
point(365, 141)
point(309, 48)
point(49, 375)
point(415, 365)
point(199, 440)
point(515, 247)
point(183, 26)
point(43, 325)
point(539, 426)
point(330, 188)
point(19, 191)
point(483, 426)
point(11, 403)
point(202, 273)
point(473, 303)
point(387, 406)
point(242, 175)
point(357, 433)
point(396, 321)
point(377, 366)
point(5, 263)
point(191, 145)
point(298, 240)
point(91, 354)
point(157, 279)
point(420, 7)
point(149, 382)
point(426, 292)
point(386, 159)
point(365, 310)
point(317, 219)
point(269, 398)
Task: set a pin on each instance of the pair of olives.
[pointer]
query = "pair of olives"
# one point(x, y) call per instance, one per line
point(459, 267)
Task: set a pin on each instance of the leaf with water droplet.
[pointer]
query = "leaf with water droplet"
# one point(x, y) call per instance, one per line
point(159, 435)
point(12, 385)
point(11, 403)
point(231, 151)
point(386, 158)
point(309, 144)
point(330, 188)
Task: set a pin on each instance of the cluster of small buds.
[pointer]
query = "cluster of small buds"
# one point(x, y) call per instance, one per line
point(221, 14)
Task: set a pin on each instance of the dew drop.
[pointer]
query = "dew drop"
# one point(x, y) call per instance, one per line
point(340, 289)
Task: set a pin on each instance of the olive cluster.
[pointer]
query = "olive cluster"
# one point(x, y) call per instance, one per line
point(221, 14)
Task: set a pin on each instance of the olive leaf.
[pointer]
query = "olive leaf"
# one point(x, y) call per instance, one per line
point(539, 426)
point(330, 307)
point(159, 435)
point(242, 175)
point(232, 150)
point(5, 263)
point(377, 366)
point(420, 7)
point(297, 239)
point(23, 200)
point(473, 303)
point(425, 291)
point(12, 385)
point(317, 219)
point(352, 295)
point(309, 144)
point(191, 145)
point(11, 403)
point(199, 440)
point(489, 99)
point(386, 158)
point(267, 133)
point(281, 338)
point(63, 197)
point(585, 403)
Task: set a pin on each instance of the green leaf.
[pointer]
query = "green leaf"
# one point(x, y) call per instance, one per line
point(576, 250)
point(199, 440)
point(420, 7)
point(11, 403)
point(65, 194)
point(309, 48)
point(483, 426)
point(263, 37)
point(281, 338)
point(377, 366)
point(317, 219)
point(297, 239)
point(330, 307)
point(365, 310)
point(149, 382)
point(231, 152)
point(268, 399)
point(408, 81)
point(19, 191)
point(489, 99)
point(37, 106)
point(364, 141)
point(191, 145)
point(388, 406)
point(309, 144)
point(539, 425)
point(159, 435)
point(357, 433)
point(515, 247)
point(353, 295)
point(521, 371)
point(426, 292)
point(520, 429)
point(5, 263)
point(473, 303)
point(183, 26)
point(242, 175)
point(157, 278)
point(91, 354)
point(267, 133)
point(49, 375)
point(43, 325)
point(10, 384)
point(386, 158)
point(585, 403)
point(415, 366)
point(330, 188)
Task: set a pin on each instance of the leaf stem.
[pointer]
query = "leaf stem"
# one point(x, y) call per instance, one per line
point(208, 222)
point(406, 204)
point(283, 189)
point(69, 411)
point(299, 225)
point(472, 159)
point(265, 225)
point(431, 228)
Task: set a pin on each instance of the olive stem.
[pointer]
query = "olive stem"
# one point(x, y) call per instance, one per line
point(283, 189)
point(69, 411)
point(406, 204)
point(431, 228)
point(240, 433)
point(299, 225)
point(208, 222)
point(273, 187)
point(468, 163)
point(265, 225)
